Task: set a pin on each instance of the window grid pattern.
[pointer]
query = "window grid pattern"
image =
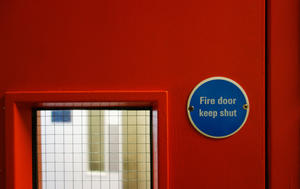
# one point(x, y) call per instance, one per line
point(103, 149)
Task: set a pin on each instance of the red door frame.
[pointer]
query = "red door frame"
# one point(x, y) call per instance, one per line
point(18, 123)
point(283, 99)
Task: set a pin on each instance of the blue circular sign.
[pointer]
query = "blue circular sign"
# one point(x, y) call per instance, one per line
point(218, 107)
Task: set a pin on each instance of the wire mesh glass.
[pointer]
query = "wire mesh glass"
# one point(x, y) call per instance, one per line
point(96, 149)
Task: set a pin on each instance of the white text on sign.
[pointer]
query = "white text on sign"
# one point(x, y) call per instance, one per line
point(220, 101)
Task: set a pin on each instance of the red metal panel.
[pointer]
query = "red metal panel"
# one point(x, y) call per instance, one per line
point(284, 93)
point(148, 45)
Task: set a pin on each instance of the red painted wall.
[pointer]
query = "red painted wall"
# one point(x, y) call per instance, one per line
point(284, 93)
point(146, 45)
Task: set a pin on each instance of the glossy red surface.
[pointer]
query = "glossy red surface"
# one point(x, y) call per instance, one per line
point(146, 45)
point(284, 93)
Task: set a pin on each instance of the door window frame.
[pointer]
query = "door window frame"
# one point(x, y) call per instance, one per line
point(18, 123)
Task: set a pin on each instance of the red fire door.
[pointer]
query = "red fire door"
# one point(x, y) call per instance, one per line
point(129, 56)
